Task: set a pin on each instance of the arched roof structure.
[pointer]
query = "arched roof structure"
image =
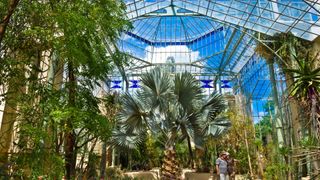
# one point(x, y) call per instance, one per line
point(214, 38)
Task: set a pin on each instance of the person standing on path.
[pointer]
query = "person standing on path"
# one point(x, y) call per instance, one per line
point(222, 166)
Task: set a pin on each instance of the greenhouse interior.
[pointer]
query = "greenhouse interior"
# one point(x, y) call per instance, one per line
point(160, 89)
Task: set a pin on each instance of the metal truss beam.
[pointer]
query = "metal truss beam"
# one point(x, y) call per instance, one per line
point(235, 48)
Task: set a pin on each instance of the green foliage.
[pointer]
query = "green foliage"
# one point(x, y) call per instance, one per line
point(309, 141)
point(274, 171)
point(154, 152)
point(36, 163)
point(234, 142)
point(307, 78)
point(93, 161)
point(284, 45)
point(264, 127)
point(164, 108)
point(182, 153)
point(3, 7)
point(41, 37)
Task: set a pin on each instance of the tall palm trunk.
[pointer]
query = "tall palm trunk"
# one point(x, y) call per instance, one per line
point(314, 113)
point(282, 139)
point(315, 121)
point(170, 167)
point(278, 115)
point(295, 123)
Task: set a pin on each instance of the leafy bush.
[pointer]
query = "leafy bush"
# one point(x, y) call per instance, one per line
point(274, 171)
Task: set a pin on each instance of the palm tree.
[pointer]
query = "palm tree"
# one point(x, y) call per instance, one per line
point(170, 107)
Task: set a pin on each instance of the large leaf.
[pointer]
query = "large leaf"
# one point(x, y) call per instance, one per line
point(187, 90)
point(307, 78)
point(157, 85)
point(129, 140)
point(213, 107)
point(133, 113)
point(218, 127)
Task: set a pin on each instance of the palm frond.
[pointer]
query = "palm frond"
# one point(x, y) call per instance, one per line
point(217, 127)
point(213, 106)
point(157, 85)
point(214, 129)
point(128, 140)
point(132, 113)
point(187, 90)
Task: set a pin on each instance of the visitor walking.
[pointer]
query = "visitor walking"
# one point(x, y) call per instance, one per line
point(222, 166)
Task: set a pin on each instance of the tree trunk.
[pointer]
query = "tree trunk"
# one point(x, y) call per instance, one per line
point(70, 138)
point(70, 155)
point(55, 77)
point(170, 167)
point(282, 139)
point(296, 124)
point(8, 120)
point(90, 172)
point(314, 118)
point(6, 19)
point(15, 89)
point(103, 161)
point(314, 115)
point(248, 153)
point(113, 157)
point(191, 160)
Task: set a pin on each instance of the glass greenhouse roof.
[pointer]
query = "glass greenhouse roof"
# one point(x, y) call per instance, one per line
point(301, 17)
point(213, 39)
point(192, 40)
point(215, 36)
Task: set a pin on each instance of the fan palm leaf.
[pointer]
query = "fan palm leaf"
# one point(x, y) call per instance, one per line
point(133, 113)
point(156, 85)
point(212, 107)
point(125, 139)
point(187, 90)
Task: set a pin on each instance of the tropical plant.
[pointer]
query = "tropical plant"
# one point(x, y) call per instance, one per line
point(306, 88)
point(171, 109)
point(280, 48)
